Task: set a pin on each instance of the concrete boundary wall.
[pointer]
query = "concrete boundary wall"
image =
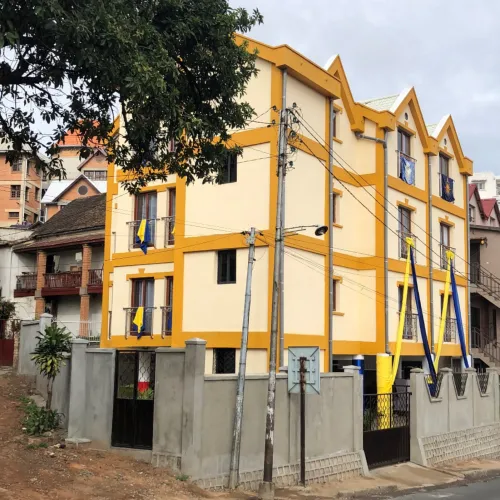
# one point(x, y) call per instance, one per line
point(453, 427)
point(193, 423)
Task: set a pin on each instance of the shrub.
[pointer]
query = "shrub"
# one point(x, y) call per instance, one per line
point(38, 420)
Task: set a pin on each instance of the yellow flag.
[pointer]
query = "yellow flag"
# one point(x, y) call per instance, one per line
point(139, 319)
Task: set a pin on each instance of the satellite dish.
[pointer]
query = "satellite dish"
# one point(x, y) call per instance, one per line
point(321, 230)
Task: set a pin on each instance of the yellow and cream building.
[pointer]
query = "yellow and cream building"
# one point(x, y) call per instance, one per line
point(192, 279)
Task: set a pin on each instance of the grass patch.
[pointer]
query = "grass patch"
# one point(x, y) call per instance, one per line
point(182, 477)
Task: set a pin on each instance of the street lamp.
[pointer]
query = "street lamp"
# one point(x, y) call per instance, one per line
point(320, 230)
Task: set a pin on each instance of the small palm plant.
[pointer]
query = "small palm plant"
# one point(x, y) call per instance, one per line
point(49, 353)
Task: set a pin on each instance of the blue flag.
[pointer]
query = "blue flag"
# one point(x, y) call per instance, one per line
point(407, 169)
point(143, 236)
point(447, 188)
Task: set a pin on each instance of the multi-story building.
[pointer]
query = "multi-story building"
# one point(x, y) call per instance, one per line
point(484, 217)
point(488, 184)
point(191, 282)
point(20, 190)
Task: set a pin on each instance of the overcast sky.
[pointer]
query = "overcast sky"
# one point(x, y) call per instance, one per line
point(449, 50)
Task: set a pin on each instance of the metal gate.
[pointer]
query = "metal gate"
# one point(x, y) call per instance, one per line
point(6, 343)
point(386, 428)
point(134, 399)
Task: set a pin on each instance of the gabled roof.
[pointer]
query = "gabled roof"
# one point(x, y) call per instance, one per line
point(489, 205)
point(83, 214)
point(98, 151)
point(57, 188)
point(381, 103)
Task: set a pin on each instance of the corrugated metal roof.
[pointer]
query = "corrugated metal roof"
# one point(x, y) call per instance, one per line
point(381, 103)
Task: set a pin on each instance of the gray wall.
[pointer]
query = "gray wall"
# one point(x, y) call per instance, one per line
point(450, 427)
point(194, 412)
point(27, 344)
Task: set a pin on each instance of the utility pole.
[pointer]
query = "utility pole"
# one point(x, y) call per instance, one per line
point(234, 468)
point(266, 488)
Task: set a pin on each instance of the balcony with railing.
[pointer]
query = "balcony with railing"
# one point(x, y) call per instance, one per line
point(450, 330)
point(444, 257)
point(95, 281)
point(410, 329)
point(166, 321)
point(169, 231)
point(66, 283)
point(133, 326)
point(403, 245)
point(25, 285)
point(149, 233)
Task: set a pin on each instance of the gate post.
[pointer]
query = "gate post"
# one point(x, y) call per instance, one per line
point(418, 391)
point(77, 396)
point(192, 411)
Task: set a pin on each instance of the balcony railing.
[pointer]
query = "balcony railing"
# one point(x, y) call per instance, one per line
point(134, 227)
point(68, 279)
point(410, 330)
point(26, 281)
point(95, 277)
point(403, 247)
point(450, 330)
point(147, 322)
point(169, 230)
point(88, 330)
point(166, 321)
point(444, 259)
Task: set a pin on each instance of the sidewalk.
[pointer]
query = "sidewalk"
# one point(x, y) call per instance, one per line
point(392, 481)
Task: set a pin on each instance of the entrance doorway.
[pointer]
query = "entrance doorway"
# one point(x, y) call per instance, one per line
point(134, 400)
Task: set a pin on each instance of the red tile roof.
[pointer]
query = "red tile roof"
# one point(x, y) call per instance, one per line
point(488, 205)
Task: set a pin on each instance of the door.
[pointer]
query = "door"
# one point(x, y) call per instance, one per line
point(133, 406)
point(6, 344)
point(475, 260)
point(146, 208)
point(142, 296)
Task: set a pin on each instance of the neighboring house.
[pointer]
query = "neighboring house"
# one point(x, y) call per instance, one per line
point(15, 267)
point(60, 193)
point(68, 254)
point(20, 190)
point(191, 282)
point(95, 167)
point(488, 184)
point(484, 216)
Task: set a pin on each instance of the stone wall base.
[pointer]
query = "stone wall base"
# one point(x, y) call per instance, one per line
point(337, 467)
point(478, 442)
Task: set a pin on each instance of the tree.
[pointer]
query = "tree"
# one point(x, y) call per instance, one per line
point(173, 66)
point(49, 353)
point(7, 309)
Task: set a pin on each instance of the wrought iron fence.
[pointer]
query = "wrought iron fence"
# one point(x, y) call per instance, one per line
point(224, 360)
point(483, 380)
point(410, 331)
point(166, 321)
point(95, 277)
point(450, 330)
point(26, 281)
point(434, 388)
point(403, 246)
point(444, 259)
point(67, 279)
point(460, 383)
point(169, 230)
point(134, 329)
point(134, 227)
point(484, 279)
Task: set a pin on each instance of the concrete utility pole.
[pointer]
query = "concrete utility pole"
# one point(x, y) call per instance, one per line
point(266, 488)
point(234, 468)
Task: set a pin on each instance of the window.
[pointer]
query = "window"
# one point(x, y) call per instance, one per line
point(170, 221)
point(498, 187)
point(37, 194)
point(482, 185)
point(142, 296)
point(145, 208)
point(404, 142)
point(472, 214)
point(13, 215)
point(224, 360)
point(445, 243)
point(335, 283)
point(492, 221)
point(335, 199)
point(228, 172)
point(226, 267)
point(31, 166)
point(83, 190)
point(334, 123)
point(15, 192)
point(410, 322)
point(27, 194)
point(444, 166)
point(17, 165)
point(167, 309)
point(96, 175)
point(404, 231)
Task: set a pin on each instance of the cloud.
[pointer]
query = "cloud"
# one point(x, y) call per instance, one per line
point(447, 49)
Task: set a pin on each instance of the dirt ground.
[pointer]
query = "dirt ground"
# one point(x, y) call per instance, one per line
point(34, 468)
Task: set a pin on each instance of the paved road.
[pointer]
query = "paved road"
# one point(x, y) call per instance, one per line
point(489, 490)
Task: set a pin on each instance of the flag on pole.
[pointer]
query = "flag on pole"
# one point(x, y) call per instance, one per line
point(138, 321)
point(143, 236)
point(407, 169)
point(447, 188)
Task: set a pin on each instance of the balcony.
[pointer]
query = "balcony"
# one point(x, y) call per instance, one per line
point(169, 231)
point(450, 330)
point(410, 330)
point(95, 281)
point(166, 321)
point(62, 283)
point(403, 246)
point(25, 285)
point(444, 258)
point(150, 234)
point(131, 329)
